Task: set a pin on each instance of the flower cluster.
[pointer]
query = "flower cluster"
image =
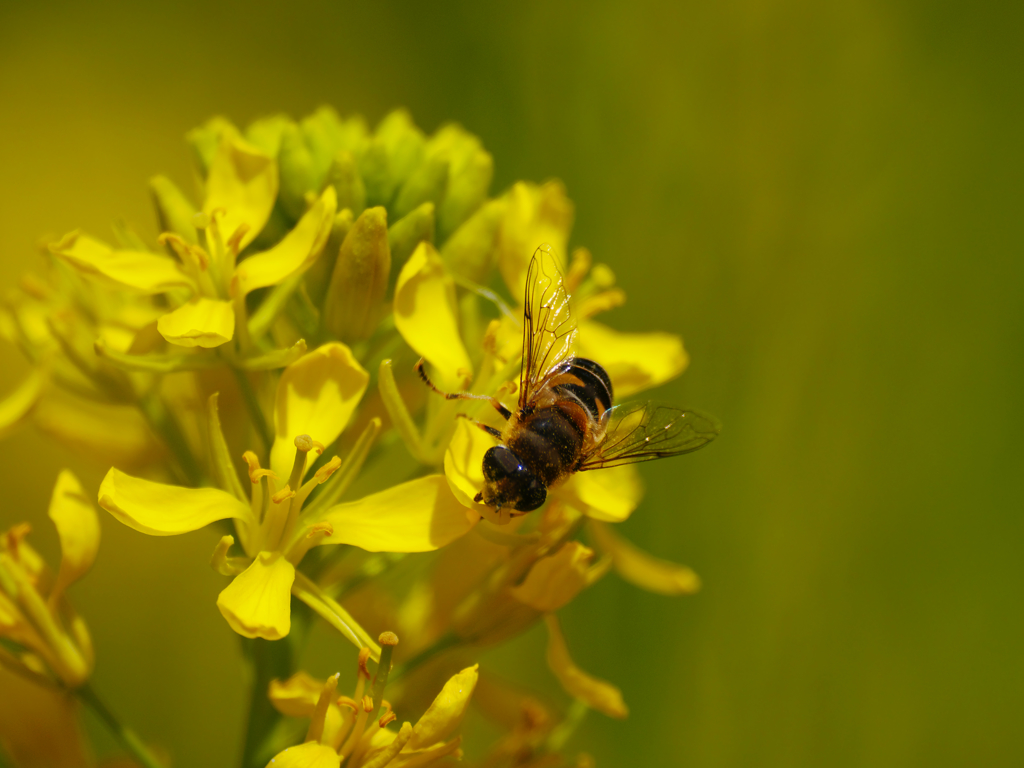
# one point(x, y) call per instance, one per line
point(254, 363)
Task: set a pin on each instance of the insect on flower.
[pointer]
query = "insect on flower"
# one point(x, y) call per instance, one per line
point(566, 422)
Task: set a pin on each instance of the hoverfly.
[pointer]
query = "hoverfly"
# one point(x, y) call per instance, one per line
point(566, 421)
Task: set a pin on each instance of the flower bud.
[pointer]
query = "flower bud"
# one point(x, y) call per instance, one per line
point(318, 276)
point(344, 175)
point(206, 139)
point(396, 151)
point(298, 175)
point(360, 279)
point(471, 251)
point(409, 231)
point(469, 177)
point(426, 184)
point(265, 133)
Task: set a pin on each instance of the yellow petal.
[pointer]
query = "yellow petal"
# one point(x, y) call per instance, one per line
point(463, 461)
point(634, 361)
point(199, 323)
point(78, 527)
point(243, 182)
point(312, 754)
point(165, 510)
point(136, 270)
point(17, 405)
point(297, 696)
point(555, 580)
point(445, 714)
point(603, 494)
point(296, 251)
point(594, 692)
point(257, 603)
point(315, 396)
point(644, 570)
point(534, 215)
point(417, 516)
point(427, 317)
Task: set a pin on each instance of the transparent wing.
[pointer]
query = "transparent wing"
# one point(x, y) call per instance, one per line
point(641, 431)
point(549, 329)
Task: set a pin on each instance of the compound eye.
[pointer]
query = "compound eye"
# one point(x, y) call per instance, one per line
point(500, 463)
point(533, 494)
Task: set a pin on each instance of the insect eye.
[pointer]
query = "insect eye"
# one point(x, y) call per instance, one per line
point(533, 495)
point(500, 463)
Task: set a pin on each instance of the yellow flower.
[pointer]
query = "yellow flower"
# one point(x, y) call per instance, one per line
point(315, 395)
point(343, 729)
point(50, 640)
point(241, 192)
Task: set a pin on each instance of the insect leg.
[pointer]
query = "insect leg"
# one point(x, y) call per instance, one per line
point(505, 412)
point(495, 433)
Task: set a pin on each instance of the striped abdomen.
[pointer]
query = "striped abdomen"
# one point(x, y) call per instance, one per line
point(549, 440)
point(594, 389)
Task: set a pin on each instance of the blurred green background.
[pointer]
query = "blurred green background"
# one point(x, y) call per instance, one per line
point(823, 198)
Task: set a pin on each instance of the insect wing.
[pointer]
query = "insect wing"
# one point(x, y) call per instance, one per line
point(644, 431)
point(549, 329)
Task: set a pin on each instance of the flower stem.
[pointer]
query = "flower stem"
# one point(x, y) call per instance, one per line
point(128, 738)
point(442, 644)
point(252, 404)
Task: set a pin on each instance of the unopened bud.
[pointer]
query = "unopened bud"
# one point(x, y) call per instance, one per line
point(471, 169)
point(355, 298)
point(410, 230)
point(471, 251)
point(425, 184)
point(297, 173)
point(344, 175)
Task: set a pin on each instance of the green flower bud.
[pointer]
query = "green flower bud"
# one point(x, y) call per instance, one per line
point(359, 282)
point(322, 133)
point(471, 251)
point(298, 175)
point(347, 182)
point(426, 184)
point(467, 189)
point(265, 133)
point(204, 140)
point(173, 209)
point(318, 276)
point(409, 231)
point(394, 153)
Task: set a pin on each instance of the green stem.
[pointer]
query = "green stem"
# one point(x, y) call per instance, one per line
point(270, 659)
point(129, 740)
point(442, 644)
point(162, 422)
point(561, 733)
point(252, 404)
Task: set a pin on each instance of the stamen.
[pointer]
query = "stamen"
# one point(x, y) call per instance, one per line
point(303, 445)
point(578, 269)
point(367, 703)
point(345, 701)
point(283, 495)
point(255, 472)
point(319, 477)
point(364, 656)
point(235, 241)
point(390, 717)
